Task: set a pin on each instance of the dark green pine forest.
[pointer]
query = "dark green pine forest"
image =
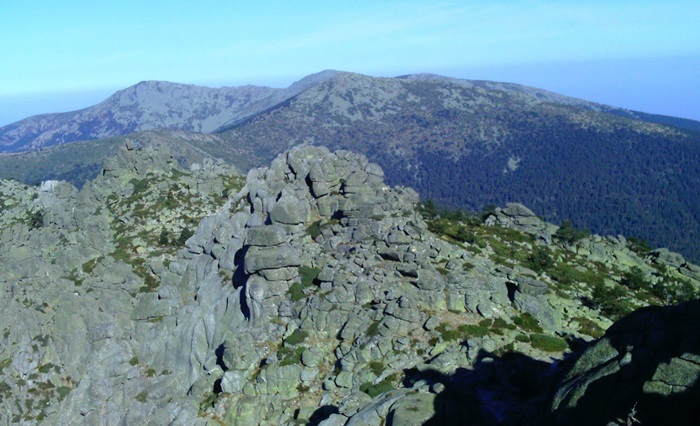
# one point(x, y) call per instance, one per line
point(618, 183)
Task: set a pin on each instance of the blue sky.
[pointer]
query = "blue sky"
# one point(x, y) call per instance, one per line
point(61, 56)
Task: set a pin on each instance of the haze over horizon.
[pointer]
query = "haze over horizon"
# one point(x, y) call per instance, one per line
point(640, 55)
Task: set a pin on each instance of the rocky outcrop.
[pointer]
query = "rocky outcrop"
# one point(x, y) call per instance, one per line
point(644, 370)
point(517, 216)
point(75, 277)
point(339, 274)
point(308, 292)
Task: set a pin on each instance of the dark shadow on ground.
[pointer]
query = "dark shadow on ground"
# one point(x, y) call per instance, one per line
point(645, 370)
point(512, 389)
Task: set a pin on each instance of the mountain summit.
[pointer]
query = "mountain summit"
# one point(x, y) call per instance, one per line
point(150, 105)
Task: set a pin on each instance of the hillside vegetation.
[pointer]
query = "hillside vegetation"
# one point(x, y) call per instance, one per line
point(471, 144)
point(462, 143)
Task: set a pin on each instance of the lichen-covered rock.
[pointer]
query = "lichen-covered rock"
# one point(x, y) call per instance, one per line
point(646, 366)
point(313, 293)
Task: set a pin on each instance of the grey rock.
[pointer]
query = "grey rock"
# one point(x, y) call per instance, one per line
point(647, 361)
point(414, 409)
point(258, 258)
point(290, 210)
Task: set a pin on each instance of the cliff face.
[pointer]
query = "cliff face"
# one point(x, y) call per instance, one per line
point(308, 291)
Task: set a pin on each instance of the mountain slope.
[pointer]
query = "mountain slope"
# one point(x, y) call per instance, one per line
point(463, 143)
point(79, 162)
point(149, 105)
point(472, 143)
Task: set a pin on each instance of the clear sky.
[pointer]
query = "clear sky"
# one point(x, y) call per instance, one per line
point(63, 55)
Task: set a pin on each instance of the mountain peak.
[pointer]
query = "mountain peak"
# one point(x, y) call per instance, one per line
point(313, 80)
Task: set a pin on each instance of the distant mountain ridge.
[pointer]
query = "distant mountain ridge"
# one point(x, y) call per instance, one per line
point(473, 143)
point(463, 143)
point(149, 105)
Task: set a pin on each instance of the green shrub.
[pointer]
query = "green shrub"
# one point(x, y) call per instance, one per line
point(522, 338)
point(297, 337)
point(540, 259)
point(589, 327)
point(634, 279)
point(36, 220)
point(89, 266)
point(569, 234)
point(309, 276)
point(428, 209)
point(296, 292)
point(45, 368)
point(373, 329)
point(63, 391)
point(314, 230)
point(462, 332)
point(441, 270)
point(464, 235)
point(384, 386)
point(185, 235)
point(438, 226)
point(548, 343)
point(289, 355)
point(163, 238)
point(527, 322)
point(610, 300)
point(375, 390)
point(639, 246)
point(565, 273)
point(140, 185)
point(377, 367)
point(472, 330)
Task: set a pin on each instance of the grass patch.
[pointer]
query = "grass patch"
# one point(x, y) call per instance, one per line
point(527, 322)
point(308, 278)
point(589, 327)
point(462, 332)
point(373, 329)
point(297, 337)
point(547, 343)
point(384, 386)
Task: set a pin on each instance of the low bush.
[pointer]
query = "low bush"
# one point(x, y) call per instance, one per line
point(548, 343)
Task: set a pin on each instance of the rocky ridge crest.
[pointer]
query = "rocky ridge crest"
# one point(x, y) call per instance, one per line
point(313, 293)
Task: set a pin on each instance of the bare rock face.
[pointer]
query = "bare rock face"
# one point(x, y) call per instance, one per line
point(645, 369)
point(519, 217)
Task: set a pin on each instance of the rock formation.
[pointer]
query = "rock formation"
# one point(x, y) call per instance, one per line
point(310, 292)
